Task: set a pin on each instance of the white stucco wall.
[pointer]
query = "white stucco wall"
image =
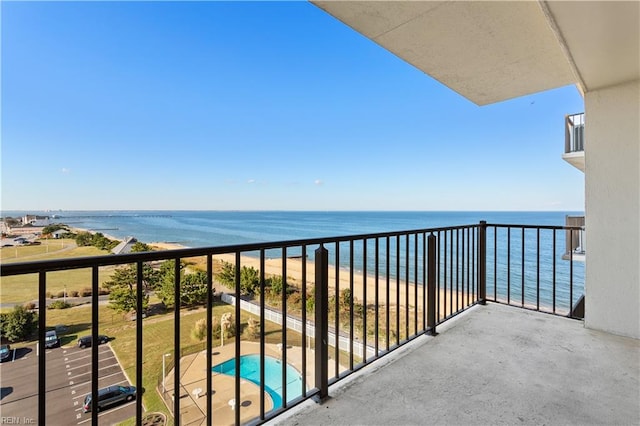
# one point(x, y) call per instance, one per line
point(612, 184)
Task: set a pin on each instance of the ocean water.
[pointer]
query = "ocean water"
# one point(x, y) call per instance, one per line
point(506, 269)
point(216, 228)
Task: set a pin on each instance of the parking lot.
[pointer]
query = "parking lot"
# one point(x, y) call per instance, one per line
point(68, 381)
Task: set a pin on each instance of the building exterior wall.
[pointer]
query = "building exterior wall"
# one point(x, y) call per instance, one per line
point(612, 184)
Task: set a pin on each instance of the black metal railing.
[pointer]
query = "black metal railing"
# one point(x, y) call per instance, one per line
point(367, 295)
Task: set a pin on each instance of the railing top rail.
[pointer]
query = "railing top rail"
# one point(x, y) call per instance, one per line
point(20, 268)
point(557, 227)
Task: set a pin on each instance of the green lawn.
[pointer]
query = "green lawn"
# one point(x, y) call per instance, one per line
point(21, 289)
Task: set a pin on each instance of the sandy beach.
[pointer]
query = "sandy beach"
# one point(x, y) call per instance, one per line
point(409, 294)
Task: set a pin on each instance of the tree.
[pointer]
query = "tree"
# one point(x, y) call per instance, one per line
point(123, 287)
point(193, 286)
point(249, 281)
point(18, 324)
point(139, 247)
point(249, 278)
point(50, 229)
point(227, 275)
point(193, 289)
point(84, 239)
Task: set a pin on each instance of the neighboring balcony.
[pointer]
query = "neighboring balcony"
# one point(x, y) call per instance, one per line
point(322, 310)
point(574, 140)
point(575, 239)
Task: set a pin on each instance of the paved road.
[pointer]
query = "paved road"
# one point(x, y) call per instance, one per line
point(103, 299)
point(68, 381)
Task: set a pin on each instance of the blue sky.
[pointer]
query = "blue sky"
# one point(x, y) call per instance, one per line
point(257, 106)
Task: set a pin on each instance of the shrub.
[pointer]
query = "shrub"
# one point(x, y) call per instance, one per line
point(48, 294)
point(30, 306)
point(295, 300)
point(311, 300)
point(275, 284)
point(103, 291)
point(253, 328)
point(59, 304)
point(85, 292)
point(199, 331)
point(345, 299)
point(73, 293)
point(215, 327)
point(60, 294)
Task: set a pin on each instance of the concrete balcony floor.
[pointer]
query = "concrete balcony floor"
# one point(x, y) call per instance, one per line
point(492, 365)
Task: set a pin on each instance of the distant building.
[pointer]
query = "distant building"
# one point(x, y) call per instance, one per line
point(60, 233)
point(35, 220)
point(125, 246)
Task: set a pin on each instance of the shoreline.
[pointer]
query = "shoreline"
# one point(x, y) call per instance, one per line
point(408, 292)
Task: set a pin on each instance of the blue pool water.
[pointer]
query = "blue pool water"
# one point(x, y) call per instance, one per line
point(250, 370)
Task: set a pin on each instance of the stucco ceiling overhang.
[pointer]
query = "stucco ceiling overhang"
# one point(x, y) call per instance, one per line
point(493, 51)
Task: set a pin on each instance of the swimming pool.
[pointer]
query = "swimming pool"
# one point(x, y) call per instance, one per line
point(250, 370)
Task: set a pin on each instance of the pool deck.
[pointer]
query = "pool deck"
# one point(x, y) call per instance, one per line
point(193, 370)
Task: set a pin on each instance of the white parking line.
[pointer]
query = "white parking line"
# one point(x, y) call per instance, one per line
point(101, 378)
point(89, 372)
point(111, 410)
point(79, 366)
point(84, 355)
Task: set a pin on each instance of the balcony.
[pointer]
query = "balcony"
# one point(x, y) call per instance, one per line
point(574, 140)
point(575, 239)
point(492, 365)
point(500, 297)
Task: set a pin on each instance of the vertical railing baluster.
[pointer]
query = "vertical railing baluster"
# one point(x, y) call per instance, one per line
point(571, 274)
point(482, 262)
point(424, 283)
point(388, 295)
point(522, 269)
point(95, 292)
point(415, 284)
point(41, 350)
point(304, 322)
point(463, 268)
point(209, 351)
point(351, 330)
point(508, 265)
point(139, 317)
point(457, 269)
point(495, 262)
point(474, 265)
point(398, 290)
point(237, 347)
point(377, 296)
point(406, 288)
point(284, 327)
point(451, 270)
point(322, 322)
point(554, 272)
point(176, 341)
point(337, 312)
point(538, 269)
point(262, 333)
point(364, 300)
point(431, 286)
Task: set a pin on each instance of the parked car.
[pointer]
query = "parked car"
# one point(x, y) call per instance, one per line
point(51, 339)
point(85, 341)
point(5, 352)
point(110, 396)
